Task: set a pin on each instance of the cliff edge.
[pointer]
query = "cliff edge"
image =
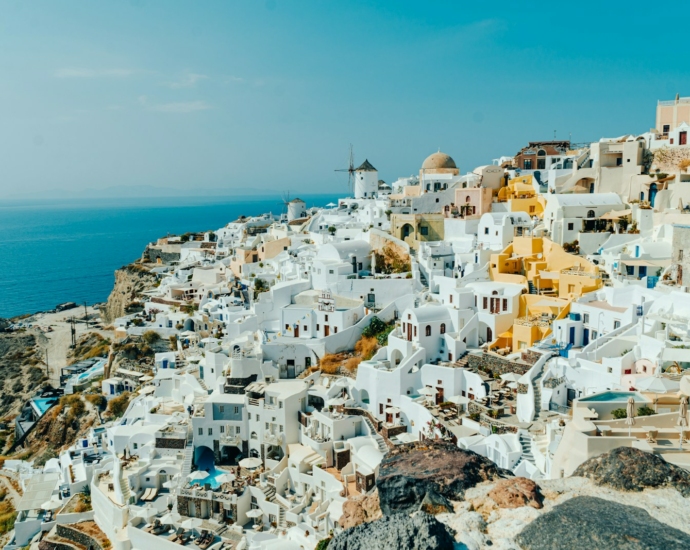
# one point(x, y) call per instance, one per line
point(130, 281)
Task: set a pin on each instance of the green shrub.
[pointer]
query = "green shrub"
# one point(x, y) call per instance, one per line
point(150, 336)
point(619, 413)
point(645, 411)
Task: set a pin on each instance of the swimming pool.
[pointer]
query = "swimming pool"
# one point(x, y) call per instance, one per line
point(43, 403)
point(96, 369)
point(613, 396)
point(211, 480)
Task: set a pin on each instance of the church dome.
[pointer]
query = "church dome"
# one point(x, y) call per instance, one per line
point(438, 161)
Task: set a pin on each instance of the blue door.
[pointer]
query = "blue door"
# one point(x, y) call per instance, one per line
point(642, 270)
point(585, 337)
point(572, 336)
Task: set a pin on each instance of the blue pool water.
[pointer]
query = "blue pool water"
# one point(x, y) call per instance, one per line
point(211, 480)
point(92, 371)
point(609, 396)
point(43, 403)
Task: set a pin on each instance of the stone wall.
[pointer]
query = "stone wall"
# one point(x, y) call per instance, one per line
point(493, 364)
point(167, 254)
point(169, 443)
point(77, 536)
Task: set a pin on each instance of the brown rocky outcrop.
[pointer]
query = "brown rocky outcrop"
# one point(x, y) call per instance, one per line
point(360, 509)
point(130, 282)
point(432, 473)
point(629, 469)
point(516, 492)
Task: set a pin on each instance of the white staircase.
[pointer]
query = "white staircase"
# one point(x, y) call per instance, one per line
point(187, 462)
point(269, 492)
point(126, 489)
point(536, 386)
point(380, 442)
point(282, 522)
point(526, 444)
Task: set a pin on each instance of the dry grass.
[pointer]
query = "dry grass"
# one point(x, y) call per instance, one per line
point(366, 347)
point(352, 363)
point(331, 362)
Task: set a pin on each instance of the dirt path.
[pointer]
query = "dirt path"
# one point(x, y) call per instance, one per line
point(12, 493)
point(55, 343)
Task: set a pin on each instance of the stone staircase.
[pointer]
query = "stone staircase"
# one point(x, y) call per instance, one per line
point(380, 442)
point(126, 489)
point(462, 361)
point(269, 492)
point(526, 444)
point(282, 522)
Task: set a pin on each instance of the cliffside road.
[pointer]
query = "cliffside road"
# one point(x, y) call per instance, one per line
point(53, 331)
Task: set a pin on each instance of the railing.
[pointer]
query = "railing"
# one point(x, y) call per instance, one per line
point(273, 439)
point(254, 402)
point(559, 408)
point(232, 440)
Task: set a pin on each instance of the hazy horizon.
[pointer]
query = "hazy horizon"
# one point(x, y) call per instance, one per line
point(268, 95)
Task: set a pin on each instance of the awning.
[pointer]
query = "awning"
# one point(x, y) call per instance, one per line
point(647, 263)
point(616, 215)
point(38, 491)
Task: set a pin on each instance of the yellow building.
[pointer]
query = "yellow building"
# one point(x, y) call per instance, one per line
point(552, 278)
point(416, 228)
point(520, 196)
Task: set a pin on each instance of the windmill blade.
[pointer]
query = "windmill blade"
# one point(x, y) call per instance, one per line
point(350, 170)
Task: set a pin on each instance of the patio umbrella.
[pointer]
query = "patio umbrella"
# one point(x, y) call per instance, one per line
point(192, 523)
point(170, 517)
point(51, 505)
point(146, 512)
point(657, 385)
point(427, 391)
point(511, 377)
point(458, 400)
point(513, 385)
point(682, 417)
point(630, 414)
point(250, 463)
point(198, 475)
point(225, 478)
point(331, 205)
point(255, 514)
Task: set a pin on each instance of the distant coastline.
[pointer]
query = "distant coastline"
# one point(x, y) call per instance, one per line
point(57, 251)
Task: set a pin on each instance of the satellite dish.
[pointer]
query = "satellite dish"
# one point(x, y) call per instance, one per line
point(539, 256)
point(685, 386)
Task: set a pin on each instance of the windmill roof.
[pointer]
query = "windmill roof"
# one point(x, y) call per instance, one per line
point(366, 167)
point(296, 200)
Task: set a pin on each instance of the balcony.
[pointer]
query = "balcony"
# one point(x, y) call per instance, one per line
point(273, 439)
point(234, 440)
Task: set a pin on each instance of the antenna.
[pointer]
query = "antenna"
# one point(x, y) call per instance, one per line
point(350, 170)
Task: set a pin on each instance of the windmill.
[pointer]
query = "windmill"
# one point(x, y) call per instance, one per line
point(350, 170)
point(285, 202)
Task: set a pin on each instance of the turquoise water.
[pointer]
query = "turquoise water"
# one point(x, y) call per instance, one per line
point(213, 474)
point(609, 396)
point(67, 251)
point(98, 367)
point(43, 403)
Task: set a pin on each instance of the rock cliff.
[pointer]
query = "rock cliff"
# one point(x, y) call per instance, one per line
point(130, 282)
point(628, 469)
point(419, 531)
point(430, 474)
point(598, 524)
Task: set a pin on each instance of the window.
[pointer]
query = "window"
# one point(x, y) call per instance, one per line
point(237, 410)
point(667, 129)
point(287, 326)
point(280, 404)
point(210, 431)
point(330, 271)
point(571, 289)
point(237, 430)
point(326, 318)
point(222, 408)
point(571, 226)
point(450, 299)
point(318, 326)
point(591, 214)
point(680, 255)
point(485, 302)
point(415, 331)
point(616, 324)
point(201, 431)
point(335, 330)
point(486, 231)
point(527, 164)
point(531, 209)
point(443, 328)
point(222, 429)
point(266, 425)
point(505, 304)
point(428, 330)
point(424, 230)
point(136, 446)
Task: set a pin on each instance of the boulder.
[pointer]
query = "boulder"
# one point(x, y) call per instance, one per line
point(4, 324)
point(629, 469)
point(407, 473)
point(419, 531)
point(516, 492)
point(597, 524)
point(360, 509)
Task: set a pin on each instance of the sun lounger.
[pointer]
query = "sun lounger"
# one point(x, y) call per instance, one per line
point(183, 538)
point(176, 534)
point(160, 529)
point(153, 494)
point(145, 494)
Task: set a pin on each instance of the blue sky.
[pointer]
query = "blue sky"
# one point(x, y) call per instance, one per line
point(268, 94)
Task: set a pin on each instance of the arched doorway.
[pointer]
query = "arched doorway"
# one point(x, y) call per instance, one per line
point(489, 334)
point(652, 193)
point(364, 397)
point(406, 231)
point(203, 458)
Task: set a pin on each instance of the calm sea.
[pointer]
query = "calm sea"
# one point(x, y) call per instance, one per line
point(61, 252)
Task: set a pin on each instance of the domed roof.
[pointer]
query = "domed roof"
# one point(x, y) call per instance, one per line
point(438, 160)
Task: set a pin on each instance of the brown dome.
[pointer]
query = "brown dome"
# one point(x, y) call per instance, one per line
point(438, 161)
